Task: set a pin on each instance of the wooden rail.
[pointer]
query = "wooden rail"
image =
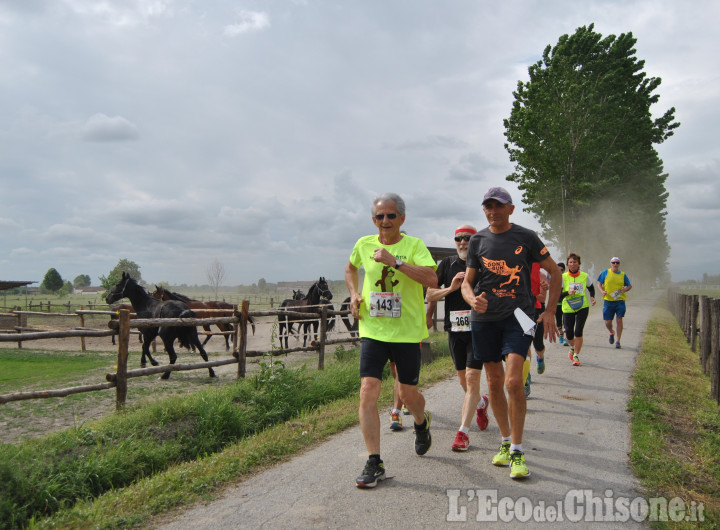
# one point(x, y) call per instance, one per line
point(123, 326)
point(704, 338)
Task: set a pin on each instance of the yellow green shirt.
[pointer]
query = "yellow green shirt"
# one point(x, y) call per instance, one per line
point(410, 326)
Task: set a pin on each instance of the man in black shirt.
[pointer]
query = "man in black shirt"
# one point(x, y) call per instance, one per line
point(450, 274)
point(497, 287)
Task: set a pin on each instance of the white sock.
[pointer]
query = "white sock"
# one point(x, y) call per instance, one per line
point(506, 439)
point(482, 403)
point(395, 411)
point(516, 447)
point(464, 429)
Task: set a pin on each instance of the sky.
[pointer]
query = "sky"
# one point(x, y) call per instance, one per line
point(175, 133)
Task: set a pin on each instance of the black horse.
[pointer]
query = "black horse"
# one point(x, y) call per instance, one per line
point(315, 323)
point(318, 290)
point(146, 306)
point(352, 326)
point(212, 309)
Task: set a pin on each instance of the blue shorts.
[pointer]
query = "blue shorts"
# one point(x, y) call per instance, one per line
point(494, 340)
point(375, 354)
point(613, 308)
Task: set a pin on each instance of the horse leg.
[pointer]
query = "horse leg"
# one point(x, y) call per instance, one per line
point(228, 327)
point(148, 335)
point(206, 327)
point(170, 349)
point(195, 339)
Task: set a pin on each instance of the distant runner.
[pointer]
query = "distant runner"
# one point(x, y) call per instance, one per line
point(614, 284)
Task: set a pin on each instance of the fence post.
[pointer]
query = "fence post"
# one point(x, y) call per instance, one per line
point(714, 346)
point(19, 326)
point(243, 338)
point(123, 344)
point(236, 331)
point(705, 333)
point(82, 325)
point(693, 322)
point(323, 337)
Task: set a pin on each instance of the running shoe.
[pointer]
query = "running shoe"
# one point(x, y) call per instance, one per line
point(562, 340)
point(527, 386)
point(518, 468)
point(540, 364)
point(576, 360)
point(565, 342)
point(461, 443)
point(617, 345)
point(571, 353)
point(612, 338)
point(405, 411)
point(503, 456)
point(482, 415)
point(395, 421)
point(423, 440)
point(372, 473)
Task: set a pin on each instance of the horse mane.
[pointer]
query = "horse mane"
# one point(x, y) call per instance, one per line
point(181, 297)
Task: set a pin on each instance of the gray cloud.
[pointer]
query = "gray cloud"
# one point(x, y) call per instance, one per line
point(173, 133)
point(101, 128)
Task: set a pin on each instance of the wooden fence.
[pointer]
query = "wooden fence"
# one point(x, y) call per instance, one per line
point(704, 338)
point(239, 317)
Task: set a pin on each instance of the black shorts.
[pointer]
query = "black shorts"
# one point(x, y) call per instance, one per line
point(375, 354)
point(494, 340)
point(461, 349)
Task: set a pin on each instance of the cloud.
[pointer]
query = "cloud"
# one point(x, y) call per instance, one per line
point(101, 128)
point(249, 21)
point(471, 167)
point(431, 142)
point(126, 13)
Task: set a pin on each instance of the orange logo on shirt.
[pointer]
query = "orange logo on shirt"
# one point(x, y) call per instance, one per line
point(518, 250)
point(544, 251)
point(501, 268)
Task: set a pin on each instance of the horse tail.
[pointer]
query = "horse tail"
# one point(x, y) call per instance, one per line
point(186, 334)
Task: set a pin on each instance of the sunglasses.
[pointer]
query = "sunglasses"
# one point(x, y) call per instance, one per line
point(382, 216)
point(615, 262)
point(462, 238)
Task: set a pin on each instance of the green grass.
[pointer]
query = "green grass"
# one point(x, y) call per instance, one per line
point(25, 368)
point(131, 466)
point(675, 426)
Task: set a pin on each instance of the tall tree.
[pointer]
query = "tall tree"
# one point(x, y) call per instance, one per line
point(215, 275)
point(82, 280)
point(581, 136)
point(124, 265)
point(52, 281)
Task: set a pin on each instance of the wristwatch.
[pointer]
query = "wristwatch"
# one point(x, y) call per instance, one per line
point(398, 262)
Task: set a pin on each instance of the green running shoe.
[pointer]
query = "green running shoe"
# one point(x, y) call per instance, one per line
point(540, 364)
point(503, 456)
point(518, 469)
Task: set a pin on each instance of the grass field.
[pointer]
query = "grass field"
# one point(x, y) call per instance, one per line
point(24, 369)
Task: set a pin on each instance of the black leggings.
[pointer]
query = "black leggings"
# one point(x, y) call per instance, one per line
point(559, 317)
point(575, 322)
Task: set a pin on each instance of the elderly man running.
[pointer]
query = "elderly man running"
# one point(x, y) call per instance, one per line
point(391, 314)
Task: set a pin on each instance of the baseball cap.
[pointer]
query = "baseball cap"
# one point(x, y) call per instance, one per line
point(499, 194)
